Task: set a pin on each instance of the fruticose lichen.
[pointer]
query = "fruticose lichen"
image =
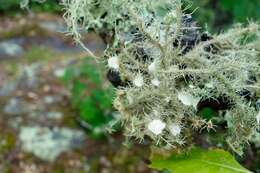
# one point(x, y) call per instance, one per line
point(167, 71)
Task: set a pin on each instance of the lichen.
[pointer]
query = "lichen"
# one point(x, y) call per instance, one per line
point(169, 70)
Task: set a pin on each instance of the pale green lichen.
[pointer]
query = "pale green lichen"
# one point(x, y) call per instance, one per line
point(222, 71)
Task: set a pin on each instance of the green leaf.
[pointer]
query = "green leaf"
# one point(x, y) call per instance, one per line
point(197, 161)
point(103, 98)
point(90, 113)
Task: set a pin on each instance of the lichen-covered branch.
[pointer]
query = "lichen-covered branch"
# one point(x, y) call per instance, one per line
point(167, 71)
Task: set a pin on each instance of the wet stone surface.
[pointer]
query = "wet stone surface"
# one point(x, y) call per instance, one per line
point(47, 143)
point(15, 106)
point(10, 49)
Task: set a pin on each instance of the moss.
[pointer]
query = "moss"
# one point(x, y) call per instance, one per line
point(58, 170)
point(69, 120)
point(7, 170)
point(36, 53)
point(7, 142)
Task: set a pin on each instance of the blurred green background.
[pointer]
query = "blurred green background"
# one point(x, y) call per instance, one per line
point(219, 14)
point(12, 7)
point(215, 15)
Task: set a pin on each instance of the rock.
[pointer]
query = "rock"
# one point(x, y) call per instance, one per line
point(16, 122)
point(53, 26)
point(10, 49)
point(7, 88)
point(49, 99)
point(47, 144)
point(15, 106)
point(59, 72)
point(54, 115)
point(29, 77)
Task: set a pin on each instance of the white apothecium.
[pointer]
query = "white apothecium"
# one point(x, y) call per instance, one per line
point(156, 126)
point(175, 129)
point(209, 85)
point(155, 82)
point(188, 99)
point(138, 80)
point(113, 62)
point(152, 67)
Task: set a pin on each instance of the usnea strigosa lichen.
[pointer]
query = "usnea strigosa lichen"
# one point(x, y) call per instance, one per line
point(167, 71)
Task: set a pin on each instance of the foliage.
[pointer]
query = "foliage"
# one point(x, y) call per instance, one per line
point(219, 14)
point(5, 5)
point(11, 6)
point(51, 6)
point(242, 10)
point(90, 97)
point(198, 161)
